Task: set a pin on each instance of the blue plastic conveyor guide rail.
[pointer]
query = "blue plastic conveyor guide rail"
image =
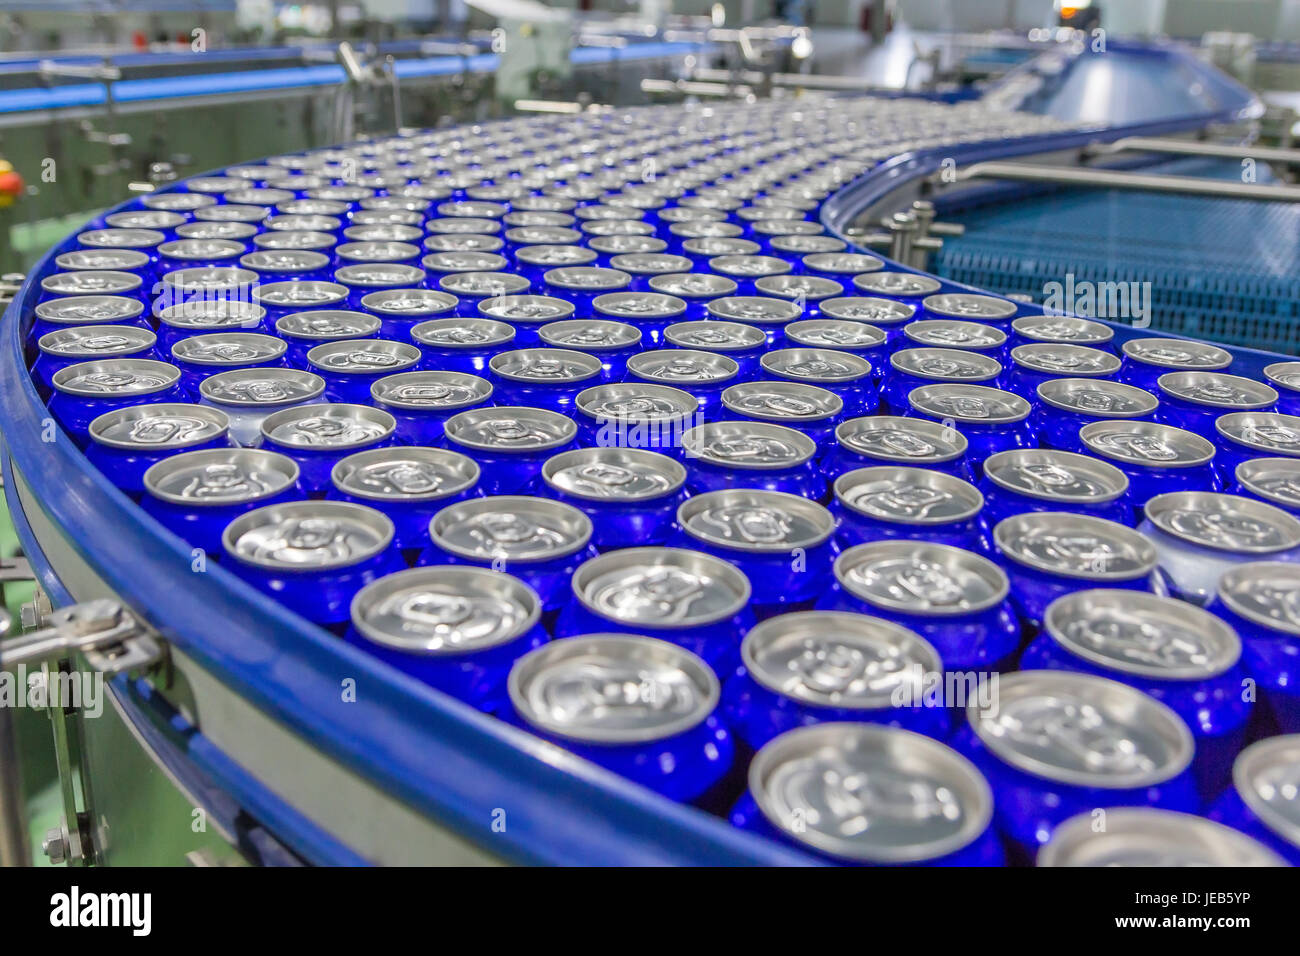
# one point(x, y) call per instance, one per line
point(418, 745)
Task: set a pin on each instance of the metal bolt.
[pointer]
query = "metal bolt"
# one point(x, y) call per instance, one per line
point(55, 846)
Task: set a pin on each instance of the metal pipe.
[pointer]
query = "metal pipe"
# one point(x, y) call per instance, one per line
point(1114, 179)
point(15, 849)
point(1186, 147)
point(685, 87)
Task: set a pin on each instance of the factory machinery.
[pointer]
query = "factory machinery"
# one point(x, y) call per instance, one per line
point(754, 270)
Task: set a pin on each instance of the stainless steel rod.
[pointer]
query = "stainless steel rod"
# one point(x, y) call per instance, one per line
point(1114, 179)
point(1187, 147)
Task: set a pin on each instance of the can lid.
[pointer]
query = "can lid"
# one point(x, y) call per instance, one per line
point(446, 610)
point(1083, 730)
point(912, 496)
point(228, 348)
point(578, 688)
point(755, 521)
point(1282, 375)
point(545, 366)
point(921, 578)
point(160, 426)
point(462, 225)
point(782, 401)
point(800, 245)
point(525, 308)
point(816, 365)
point(799, 288)
point(968, 305)
point(636, 402)
point(84, 309)
point(430, 391)
point(91, 282)
point(363, 357)
point(843, 263)
point(101, 259)
point(1264, 775)
point(1224, 522)
point(220, 476)
point(1217, 390)
point(484, 284)
point(298, 222)
point(682, 366)
point(179, 200)
point(955, 334)
point(835, 334)
point(589, 335)
point(710, 246)
point(870, 793)
point(469, 260)
point(376, 251)
point(1076, 361)
point(761, 310)
point(1148, 635)
point(661, 588)
point(615, 475)
point(462, 333)
point(121, 238)
point(409, 303)
point(255, 387)
point(1054, 328)
point(897, 283)
point(212, 314)
point(1267, 433)
point(307, 535)
point(651, 263)
point(144, 219)
point(586, 278)
point(201, 250)
point(903, 440)
point(1075, 546)
point(1059, 476)
point(870, 309)
point(1146, 444)
point(748, 446)
point(1276, 480)
point(949, 365)
point(510, 528)
point(504, 428)
point(115, 377)
point(1176, 353)
point(1097, 398)
point(297, 293)
point(693, 285)
point(1264, 593)
point(1147, 837)
point(838, 659)
point(96, 341)
point(379, 275)
point(618, 245)
point(232, 230)
point(971, 404)
point(334, 426)
point(404, 473)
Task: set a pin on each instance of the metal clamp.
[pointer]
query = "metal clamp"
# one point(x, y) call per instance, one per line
point(109, 636)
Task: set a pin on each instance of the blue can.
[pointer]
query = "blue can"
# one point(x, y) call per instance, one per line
point(312, 556)
point(1262, 801)
point(282, 299)
point(742, 344)
point(861, 794)
point(198, 254)
point(970, 306)
point(644, 266)
point(399, 310)
point(1182, 656)
point(365, 279)
point(892, 440)
point(635, 415)
point(992, 420)
point(690, 295)
point(912, 368)
point(1244, 436)
point(376, 252)
point(843, 266)
point(91, 282)
point(630, 495)
point(1039, 479)
point(541, 542)
point(83, 392)
point(844, 374)
point(582, 285)
point(462, 345)
point(1156, 458)
point(909, 288)
point(651, 312)
point(688, 598)
point(408, 484)
point(421, 402)
point(196, 494)
point(887, 315)
point(1063, 406)
point(84, 343)
point(759, 455)
point(1048, 554)
point(806, 291)
point(472, 288)
point(543, 377)
point(352, 366)
point(703, 248)
point(955, 599)
point(144, 241)
point(439, 264)
point(1061, 330)
point(199, 356)
point(463, 242)
point(1258, 600)
point(278, 265)
point(914, 504)
point(744, 271)
point(117, 260)
point(702, 375)
point(607, 247)
point(1061, 743)
point(1274, 480)
point(1034, 365)
point(533, 262)
point(813, 410)
point(248, 396)
point(1144, 836)
point(1146, 359)
point(459, 629)
point(317, 437)
point(1285, 379)
point(801, 245)
point(613, 343)
point(79, 310)
point(303, 331)
point(975, 337)
point(769, 316)
point(510, 444)
point(241, 232)
point(527, 314)
point(781, 542)
point(1195, 400)
point(125, 442)
point(682, 752)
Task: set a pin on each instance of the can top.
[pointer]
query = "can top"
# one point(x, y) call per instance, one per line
point(483, 284)
point(85, 309)
point(969, 305)
point(326, 324)
point(504, 428)
point(104, 341)
point(1282, 375)
point(1083, 730)
point(1224, 522)
point(211, 250)
point(706, 247)
point(840, 334)
point(714, 335)
point(121, 238)
point(682, 366)
point(799, 288)
point(430, 391)
point(299, 293)
point(912, 496)
point(910, 284)
point(161, 426)
point(838, 659)
point(801, 245)
point(1075, 361)
point(1097, 398)
point(1264, 593)
point(949, 365)
point(843, 263)
point(756, 309)
point(931, 580)
point(239, 230)
point(613, 475)
point(634, 402)
point(1148, 635)
point(470, 260)
point(870, 793)
point(650, 263)
point(693, 285)
point(545, 366)
point(115, 259)
point(1264, 775)
point(576, 688)
point(589, 335)
point(749, 446)
point(1060, 476)
point(404, 473)
point(462, 242)
point(755, 520)
point(1217, 390)
point(445, 610)
point(1276, 480)
point(782, 401)
point(970, 404)
point(1146, 444)
point(661, 588)
point(334, 426)
point(869, 309)
point(955, 334)
point(619, 245)
point(115, 377)
point(220, 476)
point(261, 387)
point(178, 201)
point(1175, 353)
point(586, 278)
point(1060, 328)
point(91, 282)
point(376, 251)
point(1075, 546)
point(377, 275)
point(228, 348)
point(307, 535)
point(816, 366)
point(363, 357)
point(749, 267)
point(461, 333)
point(144, 219)
point(1148, 836)
point(525, 308)
point(510, 528)
point(464, 225)
point(903, 440)
point(409, 303)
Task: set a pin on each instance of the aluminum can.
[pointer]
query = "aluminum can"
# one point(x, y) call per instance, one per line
point(914, 504)
point(630, 495)
point(317, 437)
point(248, 396)
point(510, 443)
point(125, 442)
